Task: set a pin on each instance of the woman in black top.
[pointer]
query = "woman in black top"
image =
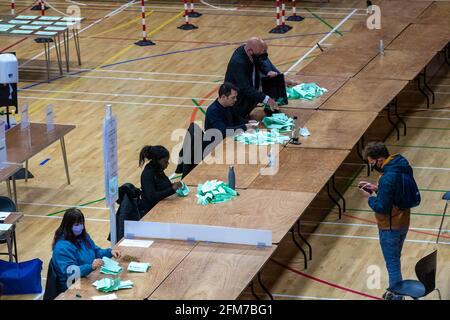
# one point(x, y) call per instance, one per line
point(154, 182)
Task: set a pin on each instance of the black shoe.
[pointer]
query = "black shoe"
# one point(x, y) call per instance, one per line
point(391, 296)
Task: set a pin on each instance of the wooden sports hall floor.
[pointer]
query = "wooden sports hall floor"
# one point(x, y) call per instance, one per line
point(151, 88)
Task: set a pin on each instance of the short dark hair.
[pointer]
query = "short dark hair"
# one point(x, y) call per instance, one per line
point(375, 150)
point(225, 89)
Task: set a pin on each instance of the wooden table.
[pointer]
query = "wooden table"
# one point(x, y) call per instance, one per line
point(335, 129)
point(7, 174)
point(339, 62)
point(365, 95)
point(10, 235)
point(422, 37)
point(163, 255)
point(21, 145)
point(302, 170)
point(273, 210)
point(360, 37)
point(214, 272)
point(248, 161)
point(397, 65)
point(437, 13)
point(330, 83)
point(403, 9)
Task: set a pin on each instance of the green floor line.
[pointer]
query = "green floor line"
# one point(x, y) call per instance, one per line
point(81, 205)
point(426, 190)
point(424, 147)
point(413, 213)
point(323, 21)
point(198, 105)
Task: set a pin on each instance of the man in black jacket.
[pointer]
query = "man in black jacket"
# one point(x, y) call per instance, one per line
point(243, 71)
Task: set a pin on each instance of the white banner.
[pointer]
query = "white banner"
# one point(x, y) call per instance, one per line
point(24, 122)
point(50, 118)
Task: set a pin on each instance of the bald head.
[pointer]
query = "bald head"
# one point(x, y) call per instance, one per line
point(255, 46)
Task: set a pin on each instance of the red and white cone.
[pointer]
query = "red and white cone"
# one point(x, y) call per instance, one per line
point(187, 25)
point(294, 16)
point(192, 13)
point(281, 27)
point(144, 42)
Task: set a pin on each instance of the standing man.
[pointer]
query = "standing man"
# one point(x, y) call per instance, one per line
point(396, 193)
point(243, 71)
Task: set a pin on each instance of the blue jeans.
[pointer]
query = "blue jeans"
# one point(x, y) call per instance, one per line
point(391, 242)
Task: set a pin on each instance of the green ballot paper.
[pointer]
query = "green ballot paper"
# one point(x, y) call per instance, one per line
point(261, 138)
point(279, 121)
point(138, 266)
point(108, 285)
point(214, 191)
point(183, 191)
point(305, 91)
point(110, 266)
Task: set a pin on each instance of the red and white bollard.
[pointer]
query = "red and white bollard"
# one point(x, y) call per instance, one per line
point(144, 42)
point(42, 8)
point(281, 27)
point(13, 8)
point(192, 13)
point(294, 16)
point(186, 25)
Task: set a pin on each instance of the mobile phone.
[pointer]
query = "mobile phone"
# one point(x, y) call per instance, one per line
point(367, 189)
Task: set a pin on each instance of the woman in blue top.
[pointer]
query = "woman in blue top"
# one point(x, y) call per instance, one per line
point(72, 246)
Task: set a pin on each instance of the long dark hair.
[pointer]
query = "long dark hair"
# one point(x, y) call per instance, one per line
point(152, 154)
point(71, 216)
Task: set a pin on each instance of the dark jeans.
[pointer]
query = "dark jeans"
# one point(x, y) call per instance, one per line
point(391, 242)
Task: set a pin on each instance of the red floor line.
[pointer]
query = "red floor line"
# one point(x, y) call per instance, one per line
point(14, 44)
point(415, 231)
point(326, 282)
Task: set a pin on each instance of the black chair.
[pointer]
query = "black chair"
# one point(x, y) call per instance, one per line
point(426, 273)
point(52, 289)
point(7, 205)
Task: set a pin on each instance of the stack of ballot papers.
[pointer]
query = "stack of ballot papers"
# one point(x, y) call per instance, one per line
point(138, 266)
point(110, 266)
point(109, 285)
point(214, 191)
point(279, 121)
point(305, 91)
point(261, 138)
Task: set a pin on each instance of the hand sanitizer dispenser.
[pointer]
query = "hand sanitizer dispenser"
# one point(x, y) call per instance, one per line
point(9, 71)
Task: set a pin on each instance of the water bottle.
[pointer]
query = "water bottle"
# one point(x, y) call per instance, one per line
point(231, 178)
point(294, 134)
point(382, 47)
point(271, 159)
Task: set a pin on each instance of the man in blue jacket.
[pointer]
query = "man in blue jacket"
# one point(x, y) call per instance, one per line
point(221, 115)
point(393, 221)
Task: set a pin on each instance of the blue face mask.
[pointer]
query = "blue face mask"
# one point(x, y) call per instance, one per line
point(77, 229)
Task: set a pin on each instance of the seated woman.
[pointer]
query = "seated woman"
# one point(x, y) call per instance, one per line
point(154, 182)
point(72, 246)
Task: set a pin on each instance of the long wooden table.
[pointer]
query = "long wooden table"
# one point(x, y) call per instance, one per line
point(10, 235)
point(403, 9)
point(335, 129)
point(419, 37)
point(273, 210)
point(438, 13)
point(7, 175)
point(163, 255)
point(21, 145)
point(214, 271)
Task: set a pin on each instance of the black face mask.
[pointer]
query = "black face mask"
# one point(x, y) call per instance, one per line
point(259, 57)
point(375, 167)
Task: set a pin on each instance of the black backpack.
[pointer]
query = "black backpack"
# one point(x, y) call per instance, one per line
point(408, 196)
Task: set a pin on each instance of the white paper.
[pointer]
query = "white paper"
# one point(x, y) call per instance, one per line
point(4, 215)
point(25, 122)
point(304, 132)
point(112, 296)
point(50, 118)
point(5, 226)
point(136, 243)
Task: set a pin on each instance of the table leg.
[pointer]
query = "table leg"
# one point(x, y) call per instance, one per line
point(15, 243)
point(15, 192)
point(358, 151)
point(392, 122)
point(66, 166)
point(26, 171)
point(57, 39)
point(426, 84)
point(47, 59)
point(253, 291)
point(338, 193)
point(442, 221)
point(422, 91)
point(304, 240)
point(9, 245)
point(77, 45)
point(8, 187)
point(395, 103)
point(66, 48)
point(300, 248)
point(334, 200)
point(263, 287)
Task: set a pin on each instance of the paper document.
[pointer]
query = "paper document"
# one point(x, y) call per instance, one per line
point(136, 243)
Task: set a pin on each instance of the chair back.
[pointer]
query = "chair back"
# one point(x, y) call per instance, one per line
point(426, 271)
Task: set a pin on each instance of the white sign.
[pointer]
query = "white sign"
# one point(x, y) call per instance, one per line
point(25, 122)
point(50, 118)
point(2, 129)
point(2, 153)
point(111, 167)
